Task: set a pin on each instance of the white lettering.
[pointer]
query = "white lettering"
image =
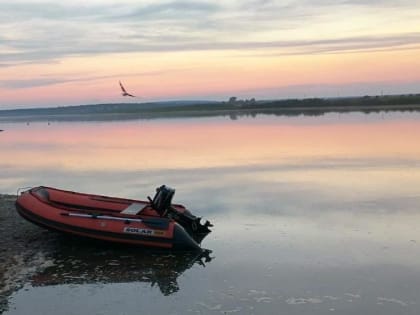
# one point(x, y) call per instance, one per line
point(134, 230)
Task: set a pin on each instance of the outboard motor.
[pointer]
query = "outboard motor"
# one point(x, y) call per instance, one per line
point(162, 203)
point(163, 199)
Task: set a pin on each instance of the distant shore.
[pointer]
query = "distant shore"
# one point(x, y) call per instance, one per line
point(233, 108)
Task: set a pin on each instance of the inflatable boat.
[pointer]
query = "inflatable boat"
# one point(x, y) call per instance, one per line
point(153, 223)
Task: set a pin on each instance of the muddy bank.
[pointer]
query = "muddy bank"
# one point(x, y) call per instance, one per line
point(23, 248)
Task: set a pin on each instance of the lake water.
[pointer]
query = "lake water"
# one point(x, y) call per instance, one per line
point(312, 215)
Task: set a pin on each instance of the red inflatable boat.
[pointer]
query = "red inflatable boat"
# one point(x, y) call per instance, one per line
point(155, 223)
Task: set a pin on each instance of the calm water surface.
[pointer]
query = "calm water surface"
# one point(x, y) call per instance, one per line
point(312, 215)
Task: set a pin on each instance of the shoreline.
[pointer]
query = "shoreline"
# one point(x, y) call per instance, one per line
point(234, 108)
point(22, 249)
point(185, 112)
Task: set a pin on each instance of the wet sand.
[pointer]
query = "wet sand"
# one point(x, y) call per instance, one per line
point(23, 249)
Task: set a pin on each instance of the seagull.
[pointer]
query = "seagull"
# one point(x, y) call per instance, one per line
point(124, 92)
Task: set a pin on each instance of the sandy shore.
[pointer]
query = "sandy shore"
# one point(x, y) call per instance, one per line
point(23, 248)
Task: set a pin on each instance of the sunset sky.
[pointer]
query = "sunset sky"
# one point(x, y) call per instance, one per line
point(54, 54)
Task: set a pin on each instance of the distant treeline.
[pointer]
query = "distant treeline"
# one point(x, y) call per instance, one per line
point(365, 101)
point(233, 108)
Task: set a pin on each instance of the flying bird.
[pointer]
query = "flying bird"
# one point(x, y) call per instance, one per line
point(124, 92)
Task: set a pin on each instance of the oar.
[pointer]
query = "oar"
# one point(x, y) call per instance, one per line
point(107, 217)
point(104, 217)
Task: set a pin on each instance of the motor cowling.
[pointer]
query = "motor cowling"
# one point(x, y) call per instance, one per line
point(163, 199)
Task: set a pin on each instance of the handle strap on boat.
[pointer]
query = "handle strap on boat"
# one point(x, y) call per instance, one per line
point(22, 189)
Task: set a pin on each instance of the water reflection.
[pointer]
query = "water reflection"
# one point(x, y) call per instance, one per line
point(90, 262)
point(74, 153)
point(312, 215)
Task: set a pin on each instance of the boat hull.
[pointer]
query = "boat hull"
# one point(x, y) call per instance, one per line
point(105, 222)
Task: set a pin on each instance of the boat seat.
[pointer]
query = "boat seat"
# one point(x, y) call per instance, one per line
point(133, 209)
point(42, 193)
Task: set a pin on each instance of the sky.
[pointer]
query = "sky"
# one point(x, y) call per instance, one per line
point(55, 53)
